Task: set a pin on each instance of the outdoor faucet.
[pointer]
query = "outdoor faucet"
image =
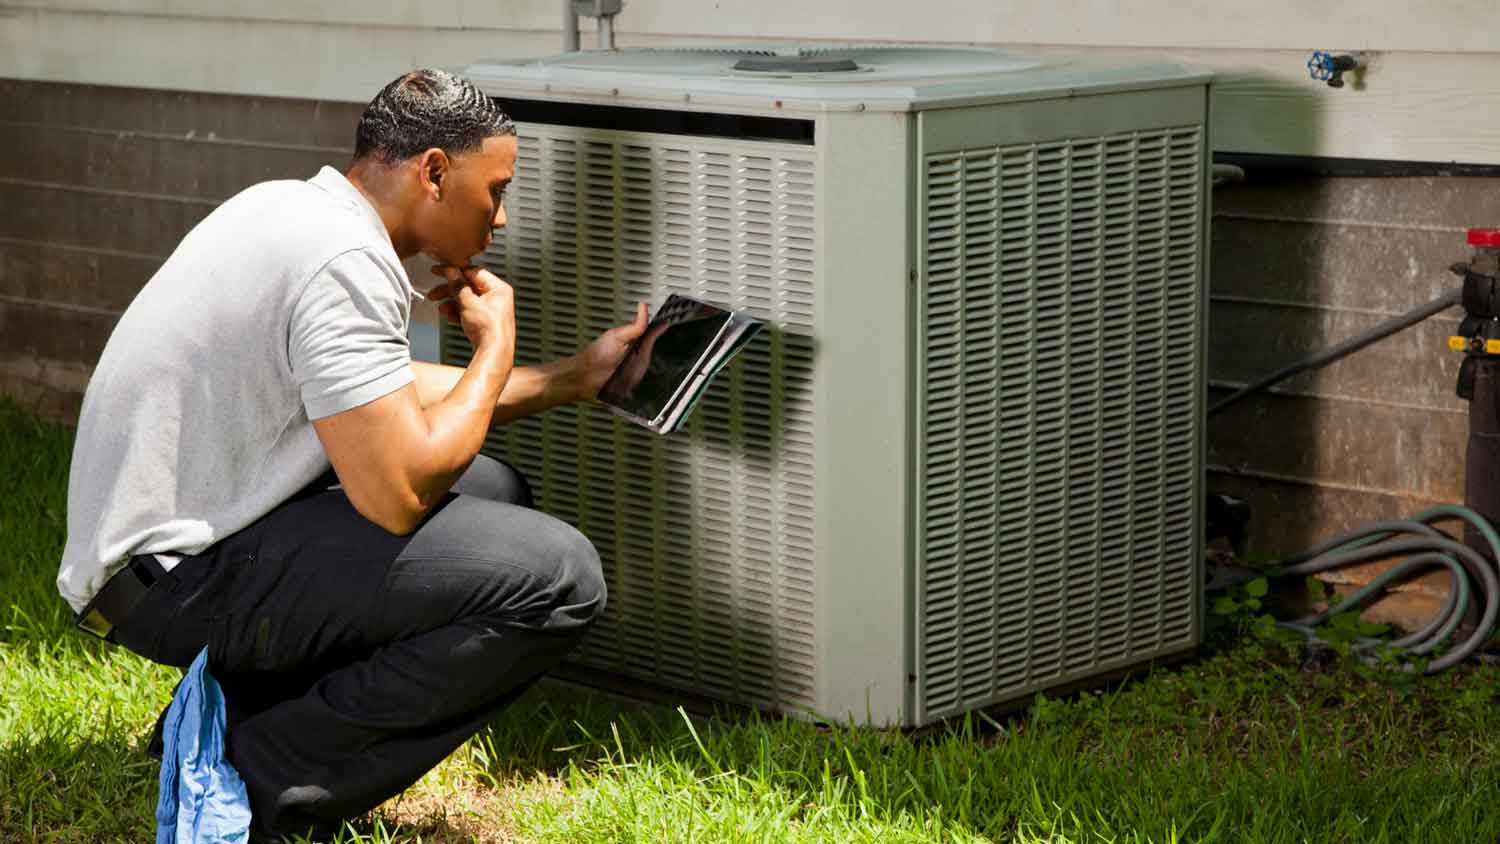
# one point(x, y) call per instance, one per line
point(1326, 67)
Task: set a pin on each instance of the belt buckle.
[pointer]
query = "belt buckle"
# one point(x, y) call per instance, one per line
point(129, 578)
point(92, 622)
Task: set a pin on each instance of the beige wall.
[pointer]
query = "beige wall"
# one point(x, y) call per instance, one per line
point(1427, 95)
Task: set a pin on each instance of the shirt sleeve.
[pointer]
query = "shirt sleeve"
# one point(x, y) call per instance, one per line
point(347, 342)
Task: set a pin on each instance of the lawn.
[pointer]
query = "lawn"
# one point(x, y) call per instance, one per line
point(1246, 744)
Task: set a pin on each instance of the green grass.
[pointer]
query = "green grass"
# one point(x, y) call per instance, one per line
point(1243, 745)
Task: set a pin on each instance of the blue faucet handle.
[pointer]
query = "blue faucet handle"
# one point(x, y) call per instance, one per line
point(1320, 66)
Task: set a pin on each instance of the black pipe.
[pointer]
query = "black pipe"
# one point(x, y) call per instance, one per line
point(1348, 347)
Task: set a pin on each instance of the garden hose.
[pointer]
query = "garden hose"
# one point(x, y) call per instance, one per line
point(1424, 548)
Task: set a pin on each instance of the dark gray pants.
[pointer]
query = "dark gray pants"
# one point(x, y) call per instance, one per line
point(352, 661)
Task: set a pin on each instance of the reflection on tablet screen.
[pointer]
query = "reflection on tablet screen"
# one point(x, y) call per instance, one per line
point(655, 366)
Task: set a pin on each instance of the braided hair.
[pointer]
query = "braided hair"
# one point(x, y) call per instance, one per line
point(425, 109)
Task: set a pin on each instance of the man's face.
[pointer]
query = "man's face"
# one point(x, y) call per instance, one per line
point(470, 202)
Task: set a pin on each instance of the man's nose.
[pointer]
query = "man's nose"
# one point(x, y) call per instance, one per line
point(499, 220)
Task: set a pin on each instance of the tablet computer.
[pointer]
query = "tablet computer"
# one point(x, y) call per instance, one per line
point(667, 368)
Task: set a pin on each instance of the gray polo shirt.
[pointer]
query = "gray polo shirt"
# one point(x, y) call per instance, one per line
point(286, 304)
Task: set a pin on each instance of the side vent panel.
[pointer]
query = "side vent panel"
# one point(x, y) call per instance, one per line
point(1060, 315)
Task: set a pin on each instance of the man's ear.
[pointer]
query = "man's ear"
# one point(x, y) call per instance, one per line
point(432, 170)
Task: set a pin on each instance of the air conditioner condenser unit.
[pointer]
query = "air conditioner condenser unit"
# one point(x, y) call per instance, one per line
point(963, 464)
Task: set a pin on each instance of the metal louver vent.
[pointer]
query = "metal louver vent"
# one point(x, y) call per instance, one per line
point(706, 535)
point(1061, 372)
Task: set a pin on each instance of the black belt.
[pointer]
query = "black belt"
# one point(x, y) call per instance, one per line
point(120, 595)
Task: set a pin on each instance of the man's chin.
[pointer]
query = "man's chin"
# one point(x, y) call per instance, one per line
point(452, 260)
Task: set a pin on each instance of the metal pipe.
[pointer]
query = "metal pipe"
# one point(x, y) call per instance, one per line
point(570, 28)
point(1224, 174)
point(607, 32)
point(1348, 347)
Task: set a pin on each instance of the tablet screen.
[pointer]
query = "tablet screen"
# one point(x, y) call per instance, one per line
point(654, 368)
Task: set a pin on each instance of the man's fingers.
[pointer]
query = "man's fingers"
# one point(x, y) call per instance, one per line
point(630, 333)
point(480, 279)
point(453, 278)
point(467, 297)
point(483, 280)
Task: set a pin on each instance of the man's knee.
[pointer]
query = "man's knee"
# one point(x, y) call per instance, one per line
point(517, 566)
point(563, 586)
point(579, 588)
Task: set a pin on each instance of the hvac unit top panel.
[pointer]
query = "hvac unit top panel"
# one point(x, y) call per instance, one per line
point(819, 78)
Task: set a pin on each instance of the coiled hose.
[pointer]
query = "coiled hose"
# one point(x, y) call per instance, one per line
point(1424, 548)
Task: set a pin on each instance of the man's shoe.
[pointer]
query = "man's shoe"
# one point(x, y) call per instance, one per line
point(155, 746)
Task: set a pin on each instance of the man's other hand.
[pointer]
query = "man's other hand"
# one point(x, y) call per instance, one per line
point(600, 358)
point(481, 303)
point(633, 370)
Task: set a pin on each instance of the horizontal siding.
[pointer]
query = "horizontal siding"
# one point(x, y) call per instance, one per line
point(1296, 267)
point(1300, 266)
point(115, 220)
point(47, 353)
point(1445, 204)
point(192, 114)
point(1413, 369)
point(1454, 25)
point(1411, 106)
point(1335, 262)
point(1426, 95)
point(100, 185)
point(148, 164)
point(46, 332)
point(1342, 444)
point(72, 275)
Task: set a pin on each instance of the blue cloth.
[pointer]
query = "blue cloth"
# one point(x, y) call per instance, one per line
point(201, 798)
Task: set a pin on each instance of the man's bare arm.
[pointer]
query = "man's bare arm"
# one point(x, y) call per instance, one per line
point(396, 458)
point(529, 390)
point(533, 389)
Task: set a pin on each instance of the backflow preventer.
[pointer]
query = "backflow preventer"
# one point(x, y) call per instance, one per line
point(1479, 383)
